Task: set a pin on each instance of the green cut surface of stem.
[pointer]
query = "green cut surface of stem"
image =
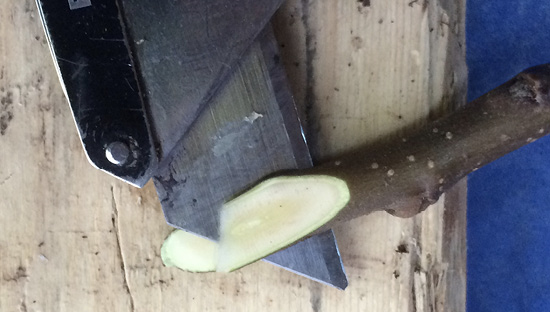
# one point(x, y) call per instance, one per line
point(189, 252)
point(275, 214)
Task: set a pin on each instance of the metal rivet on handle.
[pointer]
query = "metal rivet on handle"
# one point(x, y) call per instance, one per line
point(117, 153)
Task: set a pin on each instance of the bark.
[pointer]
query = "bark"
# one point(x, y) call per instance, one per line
point(405, 176)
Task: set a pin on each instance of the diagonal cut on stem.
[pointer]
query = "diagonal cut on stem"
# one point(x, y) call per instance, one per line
point(402, 177)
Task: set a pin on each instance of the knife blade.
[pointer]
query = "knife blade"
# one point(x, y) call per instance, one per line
point(185, 49)
point(138, 76)
point(248, 130)
point(321, 263)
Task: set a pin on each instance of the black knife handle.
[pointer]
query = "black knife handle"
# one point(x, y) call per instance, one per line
point(94, 62)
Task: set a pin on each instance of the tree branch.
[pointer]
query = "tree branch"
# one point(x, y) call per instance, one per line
point(404, 177)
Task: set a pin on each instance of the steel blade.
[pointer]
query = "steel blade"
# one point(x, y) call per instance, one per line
point(184, 50)
point(320, 264)
point(244, 134)
point(248, 130)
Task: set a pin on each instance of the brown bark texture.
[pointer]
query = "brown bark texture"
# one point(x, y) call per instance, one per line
point(407, 175)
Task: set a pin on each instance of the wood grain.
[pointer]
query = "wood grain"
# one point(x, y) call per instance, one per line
point(373, 73)
point(75, 239)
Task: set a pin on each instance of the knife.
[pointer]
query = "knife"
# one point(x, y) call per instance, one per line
point(190, 92)
point(252, 113)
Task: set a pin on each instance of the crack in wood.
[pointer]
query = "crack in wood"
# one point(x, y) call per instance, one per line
point(316, 292)
point(23, 305)
point(115, 221)
point(3, 181)
point(20, 274)
point(20, 277)
point(311, 51)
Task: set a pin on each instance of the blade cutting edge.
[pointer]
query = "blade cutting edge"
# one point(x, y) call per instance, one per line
point(249, 129)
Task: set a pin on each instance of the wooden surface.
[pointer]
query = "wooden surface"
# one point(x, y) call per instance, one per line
point(75, 239)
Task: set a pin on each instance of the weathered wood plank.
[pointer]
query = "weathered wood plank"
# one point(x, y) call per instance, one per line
point(74, 239)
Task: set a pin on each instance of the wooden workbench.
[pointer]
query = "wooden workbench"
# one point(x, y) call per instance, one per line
point(75, 239)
